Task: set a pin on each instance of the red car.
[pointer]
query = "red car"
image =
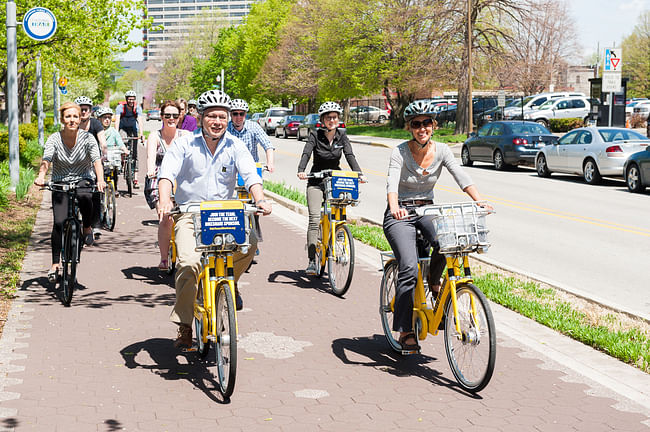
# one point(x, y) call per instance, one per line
point(288, 126)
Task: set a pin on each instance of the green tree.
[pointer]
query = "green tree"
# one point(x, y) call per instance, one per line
point(636, 58)
point(80, 47)
point(126, 81)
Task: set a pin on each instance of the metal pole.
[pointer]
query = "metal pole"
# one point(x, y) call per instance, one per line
point(469, 67)
point(39, 94)
point(55, 97)
point(223, 82)
point(611, 108)
point(12, 94)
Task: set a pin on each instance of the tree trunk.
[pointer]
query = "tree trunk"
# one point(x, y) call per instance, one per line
point(398, 104)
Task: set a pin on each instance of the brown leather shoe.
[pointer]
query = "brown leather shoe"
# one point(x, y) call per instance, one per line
point(184, 339)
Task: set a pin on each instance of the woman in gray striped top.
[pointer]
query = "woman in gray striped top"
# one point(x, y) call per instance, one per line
point(74, 156)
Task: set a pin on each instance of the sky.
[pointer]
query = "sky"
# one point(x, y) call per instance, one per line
point(604, 21)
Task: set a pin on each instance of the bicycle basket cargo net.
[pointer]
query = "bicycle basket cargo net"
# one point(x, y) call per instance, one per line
point(460, 227)
point(114, 157)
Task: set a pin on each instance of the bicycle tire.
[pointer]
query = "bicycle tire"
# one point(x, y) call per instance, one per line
point(171, 258)
point(319, 253)
point(202, 348)
point(69, 256)
point(471, 357)
point(110, 208)
point(128, 175)
point(386, 295)
point(341, 268)
point(226, 343)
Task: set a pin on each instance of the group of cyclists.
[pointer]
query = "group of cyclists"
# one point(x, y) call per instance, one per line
point(193, 161)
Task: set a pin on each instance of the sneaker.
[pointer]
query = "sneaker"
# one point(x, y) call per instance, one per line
point(89, 239)
point(97, 233)
point(184, 337)
point(312, 268)
point(135, 183)
point(239, 303)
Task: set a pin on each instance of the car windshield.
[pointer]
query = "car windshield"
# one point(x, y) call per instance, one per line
point(547, 105)
point(528, 129)
point(295, 118)
point(520, 102)
point(610, 135)
point(279, 113)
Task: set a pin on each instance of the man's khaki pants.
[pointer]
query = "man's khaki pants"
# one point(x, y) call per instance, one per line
point(188, 268)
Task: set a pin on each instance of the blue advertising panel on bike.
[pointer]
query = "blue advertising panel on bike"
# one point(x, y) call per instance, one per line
point(222, 217)
point(240, 181)
point(345, 182)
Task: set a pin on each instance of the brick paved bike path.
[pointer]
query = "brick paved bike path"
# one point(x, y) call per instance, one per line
point(307, 360)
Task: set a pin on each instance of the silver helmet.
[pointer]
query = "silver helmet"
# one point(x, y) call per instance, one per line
point(238, 105)
point(329, 107)
point(417, 108)
point(212, 99)
point(83, 100)
point(103, 111)
point(130, 93)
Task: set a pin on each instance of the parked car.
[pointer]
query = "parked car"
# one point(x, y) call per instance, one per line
point(629, 107)
point(256, 117)
point(272, 117)
point(446, 114)
point(153, 114)
point(592, 152)
point(365, 113)
point(568, 107)
point(311, 122)
point(637, 171)
point(515, 112)
point(506, 143)
point(288, 126)
point(642, 109)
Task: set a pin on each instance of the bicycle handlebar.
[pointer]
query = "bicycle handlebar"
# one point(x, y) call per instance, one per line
point(195, 207)
point(66, 187)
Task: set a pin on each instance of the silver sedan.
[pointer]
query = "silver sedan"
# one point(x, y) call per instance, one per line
point(592, 152)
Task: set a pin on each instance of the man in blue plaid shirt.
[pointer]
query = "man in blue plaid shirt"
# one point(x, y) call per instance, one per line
point(250, 132)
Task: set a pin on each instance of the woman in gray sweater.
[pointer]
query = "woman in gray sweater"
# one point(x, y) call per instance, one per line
point(415, 167)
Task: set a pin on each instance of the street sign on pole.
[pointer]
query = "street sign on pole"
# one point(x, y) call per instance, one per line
point(39, 23)
point(613, 60)
point(501, 98)
point(612, 68)
point(611, 82)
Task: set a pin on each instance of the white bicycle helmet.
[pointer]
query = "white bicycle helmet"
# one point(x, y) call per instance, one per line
point(103, 111)
point(328, 107)
point(83, 100)
point(130, 93)
point(238, 105)
point(417, 108)
point(213, 99)
point(191, 102)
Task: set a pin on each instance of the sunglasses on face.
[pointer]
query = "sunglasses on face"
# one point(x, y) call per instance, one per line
point(416, 124)
point(84, 109)
point(238, 114)
point(168, 115)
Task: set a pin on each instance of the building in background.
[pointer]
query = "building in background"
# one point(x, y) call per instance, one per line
point(176, 17)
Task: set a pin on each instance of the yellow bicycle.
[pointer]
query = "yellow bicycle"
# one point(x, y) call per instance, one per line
point(221, 228)
point(460, 308)
point(335, 245)
point(109, 206)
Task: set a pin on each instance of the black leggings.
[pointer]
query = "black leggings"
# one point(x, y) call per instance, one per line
point(60, 210)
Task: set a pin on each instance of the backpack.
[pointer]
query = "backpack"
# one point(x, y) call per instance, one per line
point(124, 107)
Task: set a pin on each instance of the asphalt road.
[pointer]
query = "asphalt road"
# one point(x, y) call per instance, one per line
point(594, 240)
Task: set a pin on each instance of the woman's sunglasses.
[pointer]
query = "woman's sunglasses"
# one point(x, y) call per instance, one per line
point(416, 124)
point(168, 116)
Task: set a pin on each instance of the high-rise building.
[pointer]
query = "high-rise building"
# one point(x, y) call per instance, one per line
point(176, 18)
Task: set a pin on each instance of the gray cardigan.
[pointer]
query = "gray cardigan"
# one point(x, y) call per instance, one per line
point(406, 178)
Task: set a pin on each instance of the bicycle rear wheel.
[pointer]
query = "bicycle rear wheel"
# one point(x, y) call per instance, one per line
point(69, 256)
point(171, 258)
point(203, 348)
point(386, 299)
point(226, 343)
point(110, 209)
point(471, 354)
point(319, 253)
point(341, 267)
point(128, 174)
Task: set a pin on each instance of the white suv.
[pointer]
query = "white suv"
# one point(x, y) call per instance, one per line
point(513, 112)
point(568, 107)
point(272, 117)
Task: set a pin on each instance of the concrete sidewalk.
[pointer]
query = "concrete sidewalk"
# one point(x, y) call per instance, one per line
point(307, 360)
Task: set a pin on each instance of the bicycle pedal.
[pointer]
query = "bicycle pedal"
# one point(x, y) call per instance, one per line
point(410, 352)
point(193, 348)
point(212, 338)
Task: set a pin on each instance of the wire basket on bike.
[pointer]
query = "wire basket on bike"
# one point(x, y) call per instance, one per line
point(460, 227)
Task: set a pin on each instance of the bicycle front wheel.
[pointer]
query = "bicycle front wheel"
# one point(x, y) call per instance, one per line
point(203, 348)
point(341, 265)
point(472, 353)
point(128, 175)
point(319, 253)
point(68, 264)
point(226, 344)
point(386, 301)
point(171, 258)
point(110, 209)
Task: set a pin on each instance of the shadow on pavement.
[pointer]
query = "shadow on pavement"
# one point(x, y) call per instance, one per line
point(299, 279)
point(10, 423)
point(113, 425)
point(52, 291)
point(164, 363)
point(149, 275)
point(381, 357)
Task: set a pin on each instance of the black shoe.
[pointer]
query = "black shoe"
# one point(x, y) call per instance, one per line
point(89, 239)
point(239, 303)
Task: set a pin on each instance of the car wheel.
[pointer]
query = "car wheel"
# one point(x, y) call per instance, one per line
point(591, 173)
point(284, 134)
point(499, 163)
point(542, 167)
point(542, 122)
point(633, 179)
point(298, 135)
point(464, 157)
point(277, 135)
point(382, 119)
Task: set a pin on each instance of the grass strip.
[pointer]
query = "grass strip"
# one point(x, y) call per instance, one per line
point(606, 333)
point(445, 135)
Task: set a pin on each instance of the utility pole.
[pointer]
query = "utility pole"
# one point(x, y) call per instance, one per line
point(55, 97)
point(470, 126)
point(39, 95)
point(12, 94)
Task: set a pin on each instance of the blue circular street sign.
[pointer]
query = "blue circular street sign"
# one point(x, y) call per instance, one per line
point(39, 23)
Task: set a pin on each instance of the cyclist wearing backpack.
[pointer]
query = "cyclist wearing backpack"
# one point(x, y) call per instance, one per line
point(130, 123)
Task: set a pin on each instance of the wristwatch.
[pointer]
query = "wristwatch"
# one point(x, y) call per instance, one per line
point(261, 201)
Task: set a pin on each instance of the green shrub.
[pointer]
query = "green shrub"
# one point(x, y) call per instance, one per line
point(565, 124)
point(32, 154)
point(27, 176)
point(4, 145)
point(5, 184)
point(28, 131)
